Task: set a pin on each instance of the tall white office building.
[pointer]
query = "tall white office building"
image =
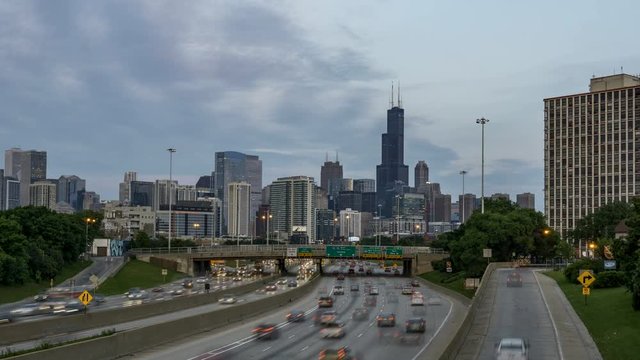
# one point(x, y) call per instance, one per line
point(239, 208)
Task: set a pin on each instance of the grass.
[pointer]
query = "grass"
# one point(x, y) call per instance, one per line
point(137, 273)
point(608, 316)
point(441, 279)
point(7, 353)
point(9, 294)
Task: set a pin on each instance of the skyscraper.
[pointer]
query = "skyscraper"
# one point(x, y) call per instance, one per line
point(42, 193)
point(364, 185)
point(526, 200)
point(71, 189)
point(239, 202)
point(141, 193)
point(232, 166)
point(590, 151)
point(28, 166)
point(292, 204)
point(125, 187)
point(421, 175)
point(331, 170)
point(392, 169)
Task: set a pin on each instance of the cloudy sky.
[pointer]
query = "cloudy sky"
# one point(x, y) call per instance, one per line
point(107, 86)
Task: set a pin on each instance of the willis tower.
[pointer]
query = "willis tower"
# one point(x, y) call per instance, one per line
point(392, 174)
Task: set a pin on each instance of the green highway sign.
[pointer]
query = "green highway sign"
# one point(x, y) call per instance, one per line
point(341, 251)
point(371, 252)
point(393, 252)
point(305, 252)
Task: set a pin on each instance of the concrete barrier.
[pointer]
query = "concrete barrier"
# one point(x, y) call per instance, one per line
point(34, 330)
point(456, 348)
point(136, 340)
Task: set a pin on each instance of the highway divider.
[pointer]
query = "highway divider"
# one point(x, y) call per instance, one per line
point(35, 330)
point(136, 340)
point(456, 350)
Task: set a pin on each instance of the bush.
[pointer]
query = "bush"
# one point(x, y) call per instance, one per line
point(609, 279)
point(572, 271)
point(439, 265)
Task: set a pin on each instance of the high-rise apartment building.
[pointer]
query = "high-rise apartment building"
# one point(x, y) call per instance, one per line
point(590, 155)
point(71, 190)
point(28, 166)
point(292, 205)
point(42, 193)
point(125, 187)
point(232, 166)
point(392, 169)
point(421, 174)
point(526, 200)
point(500, 196)
point(239, 206)
point(442, 208)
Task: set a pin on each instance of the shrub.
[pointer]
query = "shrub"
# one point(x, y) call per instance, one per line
point(609, 279)
point(572, 271)
point(439, 265)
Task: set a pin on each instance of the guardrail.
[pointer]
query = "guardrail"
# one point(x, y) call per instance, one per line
point(276, 250)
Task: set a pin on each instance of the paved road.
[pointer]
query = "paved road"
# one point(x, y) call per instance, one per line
point(303, 341)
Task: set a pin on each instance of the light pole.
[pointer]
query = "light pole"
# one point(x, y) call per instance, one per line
point(267, 217)
point(348, 230)
point(463, 173)
point(171, 151)
point(196, 226)
point(482, 121)
point(397, 219)
point(87, 221)
point(335, 221)
point(378, 237)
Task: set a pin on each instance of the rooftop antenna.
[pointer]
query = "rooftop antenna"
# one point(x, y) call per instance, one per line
point(621, 70)
point(391, 101)
point(337, 156)
point(399, 101)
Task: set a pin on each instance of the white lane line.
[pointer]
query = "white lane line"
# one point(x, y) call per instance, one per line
point(555, 329)
point(436, 333)
point(304, 348)
point(266, 349)
point(292, 336)
point(360, 335)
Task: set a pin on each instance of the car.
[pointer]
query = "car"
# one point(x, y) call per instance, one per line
point(5, 317)
point(333, 330)
point(417, 300)
point(351, 271)
point(282, 281)
point(73, 307)
point(176, 292)
point(25, 310)
point(328, 317)
point(360, 314)
point(415, 283)
point(360, 269)
point(187, 283)
point(325, 301)
point(40, 297)
point(271, 287)
point(98, 299)
point(295, 315)
point(512, 349)
point(396, 272)
point(340, 276)
point(237, 278)
point(514, 280)
point(369, 272)
point(386, 319)
point(374, 290)
point(201, 280)
point(434, 300)
point(338, 290)
point(355, 287)
point(418, 325)
point(370, 301)
point(136, 294)
point(292, 283)
point(266, 331)
point(407, 290)
point(342, 353)
point(387, 269)
point(227, 299)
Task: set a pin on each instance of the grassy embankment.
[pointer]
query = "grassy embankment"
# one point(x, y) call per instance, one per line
point(137, 273)
point(608, 316)
point(450, 281)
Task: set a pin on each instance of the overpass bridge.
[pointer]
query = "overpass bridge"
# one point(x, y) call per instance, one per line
point(193, 260)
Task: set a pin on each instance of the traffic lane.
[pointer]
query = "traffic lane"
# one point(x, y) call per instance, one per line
point(302, 340)
point(142, 322)
point(520, 312)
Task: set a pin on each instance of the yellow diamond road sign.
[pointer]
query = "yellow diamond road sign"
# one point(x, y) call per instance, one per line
point(85, 298)
point(586, 291)
point(586, 278)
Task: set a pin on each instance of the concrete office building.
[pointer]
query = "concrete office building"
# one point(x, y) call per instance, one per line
point(326, 225)
point(162, 193)
point(442, 208)
point(186, 193)
point(11, 193)
point(239, 206)
point(190, 220)
point(500, 196)
point(590, 151)
point(350, 224)
point(526, 200)
point(292, 206)
point(91, 201)
point(331, 171)
point(71, 190)
point(124, 189)
point(28, 166)
point(42, 193)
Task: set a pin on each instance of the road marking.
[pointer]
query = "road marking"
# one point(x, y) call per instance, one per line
point(555, 329)
point(304, 348)
point(360, 335)
point(266, 349)
point(292, 336)
point(436, 333)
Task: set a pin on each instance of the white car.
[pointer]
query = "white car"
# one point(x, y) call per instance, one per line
point(338, 290)
point(333, 330)
point(512, 349)
point(228, 299)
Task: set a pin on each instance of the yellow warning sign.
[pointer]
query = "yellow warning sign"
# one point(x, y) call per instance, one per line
point(85, 298)
point(586, 291)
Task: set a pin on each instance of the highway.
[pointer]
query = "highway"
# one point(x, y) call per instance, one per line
point(520, 312)
point(301, 340)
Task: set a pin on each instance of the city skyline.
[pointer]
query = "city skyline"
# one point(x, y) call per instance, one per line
point(129, 83)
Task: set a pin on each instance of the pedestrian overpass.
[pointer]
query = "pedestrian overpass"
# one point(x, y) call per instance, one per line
point(195, 260)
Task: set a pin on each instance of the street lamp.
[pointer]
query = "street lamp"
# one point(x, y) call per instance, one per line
point(592, 247)
point(171, 151)
point(463, 173)
point(348, 230)
point(196, 226)
point(267, 217)
point(482, 121)
point(335, 221)
point(418, 228)
point(87, 221)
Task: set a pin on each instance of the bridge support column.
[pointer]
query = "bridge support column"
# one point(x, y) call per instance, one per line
point(406, 268)
point(282, 267)
point(319, 266)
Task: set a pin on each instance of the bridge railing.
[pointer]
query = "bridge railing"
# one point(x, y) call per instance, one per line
point(278, 249)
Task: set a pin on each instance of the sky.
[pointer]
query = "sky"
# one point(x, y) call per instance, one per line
point(106, 87)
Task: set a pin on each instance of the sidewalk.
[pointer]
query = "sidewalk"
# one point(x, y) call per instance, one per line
point(575, 340)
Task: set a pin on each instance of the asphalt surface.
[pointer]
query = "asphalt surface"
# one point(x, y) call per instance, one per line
point(302, 340)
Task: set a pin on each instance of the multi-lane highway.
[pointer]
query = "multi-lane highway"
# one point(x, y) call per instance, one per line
point(302, 340)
